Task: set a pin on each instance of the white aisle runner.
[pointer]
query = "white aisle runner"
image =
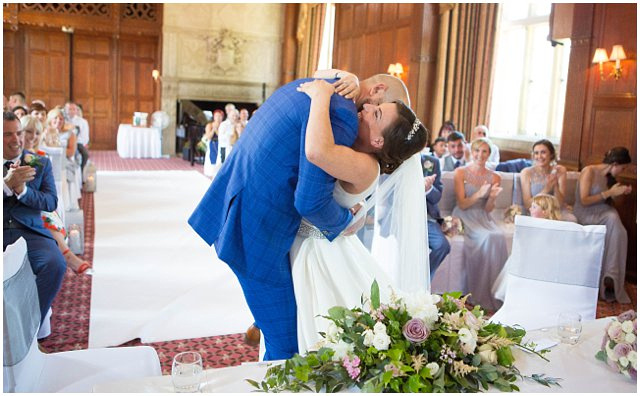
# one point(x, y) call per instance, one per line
point(155, 278)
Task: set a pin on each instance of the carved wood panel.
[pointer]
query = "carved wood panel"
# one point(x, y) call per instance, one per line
point(137, 90)
point(46, 66)
point(93, 86)
point(11, 79)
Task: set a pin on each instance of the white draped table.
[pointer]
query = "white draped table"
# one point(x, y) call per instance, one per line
point(138, 142)
point(575, 364)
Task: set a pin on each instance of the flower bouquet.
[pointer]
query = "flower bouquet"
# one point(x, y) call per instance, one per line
point(511, 212)
point(619, 345)
point(452, 226)
point(415, 343)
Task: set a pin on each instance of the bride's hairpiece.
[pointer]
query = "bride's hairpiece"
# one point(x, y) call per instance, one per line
point(414, 128)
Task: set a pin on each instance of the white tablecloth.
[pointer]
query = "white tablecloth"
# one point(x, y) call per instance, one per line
point(137, 142)
point(575, 364)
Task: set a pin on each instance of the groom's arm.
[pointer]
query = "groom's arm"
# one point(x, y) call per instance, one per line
point(314, 191)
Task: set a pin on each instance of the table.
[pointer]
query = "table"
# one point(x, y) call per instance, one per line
point(138, 142)
point(575, 364)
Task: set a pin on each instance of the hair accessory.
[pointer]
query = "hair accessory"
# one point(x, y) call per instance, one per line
point(414, 129)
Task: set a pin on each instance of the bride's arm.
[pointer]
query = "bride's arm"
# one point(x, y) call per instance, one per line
point(341, 162)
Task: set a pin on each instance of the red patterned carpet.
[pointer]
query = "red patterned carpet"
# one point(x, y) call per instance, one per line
point(70, 321)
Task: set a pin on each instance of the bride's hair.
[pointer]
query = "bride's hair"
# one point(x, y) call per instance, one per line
point(401, 139)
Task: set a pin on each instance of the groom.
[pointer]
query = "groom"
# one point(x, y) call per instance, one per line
point(253, 207)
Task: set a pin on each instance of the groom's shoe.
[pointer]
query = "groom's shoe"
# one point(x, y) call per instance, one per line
point(252, 336)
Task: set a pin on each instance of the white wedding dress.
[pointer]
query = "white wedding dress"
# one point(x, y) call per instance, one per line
point(327, 274)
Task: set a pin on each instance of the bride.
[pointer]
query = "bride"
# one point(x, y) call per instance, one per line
point(327, 274)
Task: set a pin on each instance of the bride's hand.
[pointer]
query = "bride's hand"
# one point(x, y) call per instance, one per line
point(316, 88)
point(348, 85)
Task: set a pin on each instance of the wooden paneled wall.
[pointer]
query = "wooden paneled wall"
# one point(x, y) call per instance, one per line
point(369, 37)
point(104, 64)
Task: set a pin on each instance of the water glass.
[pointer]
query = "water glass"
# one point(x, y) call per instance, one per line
point(186, 373)
point(569, 327)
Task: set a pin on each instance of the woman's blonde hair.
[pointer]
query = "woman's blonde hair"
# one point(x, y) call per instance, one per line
point(53, 113)
point(479, 141)
point(30, 122)
point(549, 204)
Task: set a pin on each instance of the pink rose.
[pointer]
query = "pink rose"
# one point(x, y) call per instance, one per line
point(415, 330)
point(613, 365)
point(622, 350)
point(605, 340)
point(627, 315)
point(614, 332)
point(633, 373)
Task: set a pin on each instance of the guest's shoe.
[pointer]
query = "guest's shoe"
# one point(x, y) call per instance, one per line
point(42, 349)
point(252, 336)
point(82, 268)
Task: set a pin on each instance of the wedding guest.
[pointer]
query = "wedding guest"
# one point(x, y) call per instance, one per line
point(32, 138)
point(225, 135)
point(482, 131)
point(39, 111)
point(439, 148)
point(5, 103)
point(485, 247)
point(210, 138)
point(594, 192)
point(74, 114)
point(56, 124)
point(545, 176)
point(446, 129)
point(19, 111)
point(456, 157)
point(438, 243)
point(545, 206)
point(17, 99)
point(22, 206)
point(244, 116)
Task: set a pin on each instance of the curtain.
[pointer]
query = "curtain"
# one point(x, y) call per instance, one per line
point(465, 65)
point(309, 38)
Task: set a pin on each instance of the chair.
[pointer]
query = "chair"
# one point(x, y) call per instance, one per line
point(554, 267)
point(26, 369)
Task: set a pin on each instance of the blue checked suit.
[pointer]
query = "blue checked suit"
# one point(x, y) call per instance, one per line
point(437, 241)
point(253, 208)
point(22, 218)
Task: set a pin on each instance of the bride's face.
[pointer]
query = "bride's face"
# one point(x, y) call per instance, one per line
point(372, 121)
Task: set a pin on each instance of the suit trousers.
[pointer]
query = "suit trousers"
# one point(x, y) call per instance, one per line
point(84, 152)
point(46, 261)
point(274, 311)
point(439, 246)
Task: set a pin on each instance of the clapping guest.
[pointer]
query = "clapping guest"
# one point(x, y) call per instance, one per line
point(210, 138)
point(596, 186)
point(485, 247)
point(32, 138)
point(482, 131)
point(545, 177)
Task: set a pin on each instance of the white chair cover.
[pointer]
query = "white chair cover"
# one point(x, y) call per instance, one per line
point(26, 369)
point(554, 267)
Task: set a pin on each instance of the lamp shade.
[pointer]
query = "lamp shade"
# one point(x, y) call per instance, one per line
point(399, 68)
point(600, 56)
point(392, 69)
point(617, 53)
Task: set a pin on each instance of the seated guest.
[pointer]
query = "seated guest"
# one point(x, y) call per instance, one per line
point(485, 246)
point(595, 188)
point(32, 137)
point(22, 207)
point(456, 157)
point(545, 177)
point(74, 116)
point(40, 112)
point(19, 111)
point(446, 129)
point(66, 137)
point(439, 147)
point(438, 243)
point(482, 131)
point(17, 99)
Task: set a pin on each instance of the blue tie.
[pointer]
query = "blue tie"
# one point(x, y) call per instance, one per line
point(457, 164)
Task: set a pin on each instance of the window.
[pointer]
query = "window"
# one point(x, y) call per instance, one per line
point(529, 83)
point(326, 48)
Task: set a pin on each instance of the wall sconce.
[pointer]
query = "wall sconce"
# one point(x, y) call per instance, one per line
point(599, 57)
point(617, 54)
point(396, 69)
point(156, 75)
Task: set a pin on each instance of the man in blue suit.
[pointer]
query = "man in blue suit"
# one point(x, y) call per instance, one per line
point(433, 192)
point(253, 207)
point(28, 190)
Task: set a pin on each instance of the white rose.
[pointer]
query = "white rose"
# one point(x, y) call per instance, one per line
point(368, 337)
point(379, 327)
point(627, 326)
point(623, 361)
point(341, 350)
point(468, 340)
point(633, 356)
point(433, 368)
point(333, 332)
point(381, 341)
point(630, 338)
point(489, 356)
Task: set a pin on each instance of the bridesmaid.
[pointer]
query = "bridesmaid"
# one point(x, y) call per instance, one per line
point(596, 186)
point(545, 177)
point(485, 246)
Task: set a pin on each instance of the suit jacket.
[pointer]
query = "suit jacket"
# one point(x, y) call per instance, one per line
point(41, 196)
point(449, 163)
point(431, 166)
point(253, 208)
